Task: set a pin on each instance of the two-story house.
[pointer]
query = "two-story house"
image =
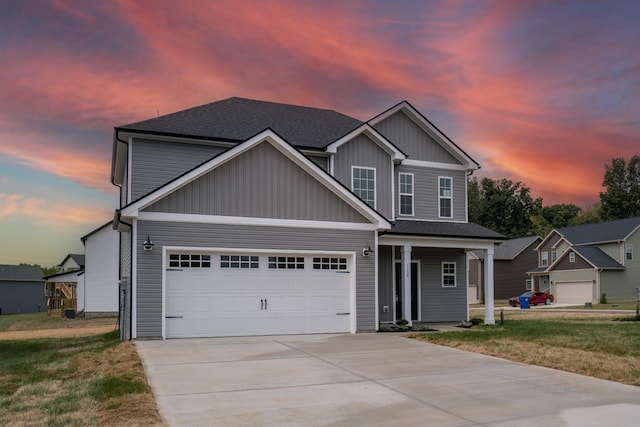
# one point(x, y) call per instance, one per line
point(245, 217)
point(578, 264)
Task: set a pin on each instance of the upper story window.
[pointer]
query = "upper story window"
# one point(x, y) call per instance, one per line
point(544, 260)
point(572, 257)
point(363, 184)
point(445, 197)
point(554, 256)
point(406, 193)
point(628, 251)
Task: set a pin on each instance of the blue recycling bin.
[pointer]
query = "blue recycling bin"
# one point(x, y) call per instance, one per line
point(524, 303)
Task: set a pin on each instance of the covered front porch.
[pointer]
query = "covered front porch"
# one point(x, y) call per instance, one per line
point(424, 277)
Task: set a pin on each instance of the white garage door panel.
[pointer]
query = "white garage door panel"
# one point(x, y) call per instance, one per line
point(574, 292)
point(208, 302)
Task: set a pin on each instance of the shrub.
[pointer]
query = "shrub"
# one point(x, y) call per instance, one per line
point(603, 298)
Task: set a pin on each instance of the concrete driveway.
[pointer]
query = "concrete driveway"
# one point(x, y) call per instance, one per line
point(368, 379)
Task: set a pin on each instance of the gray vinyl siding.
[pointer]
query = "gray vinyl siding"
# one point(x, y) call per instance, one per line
point(617, 285)
point(321, 161)
point(385, 283)
point(579, 264)
point(157, 162)
point(426, 204)
point(362, 151)
point(149, 270)
point(510, 276)
point(614, 250)
point(260, 183)
point(440, 304)
point(22, 297)
point(412, 140)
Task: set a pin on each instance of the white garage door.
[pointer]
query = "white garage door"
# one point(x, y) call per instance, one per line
point(573, 292)
point(232, 294)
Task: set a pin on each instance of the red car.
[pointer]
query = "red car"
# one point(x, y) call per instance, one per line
point(535, 298)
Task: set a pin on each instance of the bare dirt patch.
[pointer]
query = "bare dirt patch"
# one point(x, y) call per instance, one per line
point(56, 333)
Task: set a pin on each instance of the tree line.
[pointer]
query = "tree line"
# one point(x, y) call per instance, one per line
point(508, 207)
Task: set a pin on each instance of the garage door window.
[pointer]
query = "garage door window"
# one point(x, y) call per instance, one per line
point(286, 263)
point(239, 261)
point(190, 260)
point(329, 263)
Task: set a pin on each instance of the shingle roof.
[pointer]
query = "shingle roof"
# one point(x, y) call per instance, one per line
point(509, 249)
point(238, 119)
point(443, 229)
point(610, 231)
point(597, 257)
point(21, 273)
point(77, 258)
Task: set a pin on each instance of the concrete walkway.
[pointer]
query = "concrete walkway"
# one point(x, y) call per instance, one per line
point(368, 379)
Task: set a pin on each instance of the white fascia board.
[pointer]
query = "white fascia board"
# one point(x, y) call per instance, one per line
point(243, 220)
point(417, 118)
point(547, 238)
point(374, 135)
point(438, 165)
point(437, 242)
point(555, 245)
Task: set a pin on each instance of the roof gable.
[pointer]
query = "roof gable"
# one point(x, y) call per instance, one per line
point(431, 130)
point(594, 256)
point(510, 249)
point(269, 136)
point(375, 136)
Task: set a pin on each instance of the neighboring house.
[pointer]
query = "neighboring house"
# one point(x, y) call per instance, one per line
point(578, 264)
point(65, 289)
point(511, 261)
point(21, 289)
point(245, 217)
point(100, 293)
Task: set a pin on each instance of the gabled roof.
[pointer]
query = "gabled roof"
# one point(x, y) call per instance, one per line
point(84, 238)
point(395, 153)
point(132, 210)
point(593, 255)
point(602, 232)
point(20, 273)
point(510, 249)
point(431, 129)
point(238, 119)
point(443, 229)
point(77, 258)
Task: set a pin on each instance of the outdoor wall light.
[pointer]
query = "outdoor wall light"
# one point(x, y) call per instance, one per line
point(367, 251)
point(148, 244)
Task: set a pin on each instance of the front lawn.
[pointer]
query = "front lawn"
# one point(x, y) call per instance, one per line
point(79, 381)
point(593, 346)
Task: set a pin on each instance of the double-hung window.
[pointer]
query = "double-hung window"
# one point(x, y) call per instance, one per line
point(445, 197)
point(406, 193)
point(544, 261)
point(363, 184)
point(448, 274)
point(628, 251)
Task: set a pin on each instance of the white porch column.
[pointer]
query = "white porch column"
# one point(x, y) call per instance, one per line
point(489, 317)
point(406, 283)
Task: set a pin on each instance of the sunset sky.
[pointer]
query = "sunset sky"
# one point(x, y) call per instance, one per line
point(542, 92)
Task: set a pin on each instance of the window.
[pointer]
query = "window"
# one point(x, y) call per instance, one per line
point(363, 184)
point(406, 193)
point(239, 261)
point(448, 274)
point(286, 263)
point(329, 263)
point(445, 197)
point(628, 251)
point(545, 259)
point(190, 260)
point(572, 257)
point(554, 256)
point(527, 285)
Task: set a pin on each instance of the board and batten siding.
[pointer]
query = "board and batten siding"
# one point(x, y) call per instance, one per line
point(362, 151)
point(412, 140)
point(426, 192)
point(157, 162)
point(149, 271)
point(260, 183)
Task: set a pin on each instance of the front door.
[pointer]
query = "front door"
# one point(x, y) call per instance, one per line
point(414, 291)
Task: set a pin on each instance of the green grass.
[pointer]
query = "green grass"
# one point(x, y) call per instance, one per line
point(61, 381)
point(36, 319)
point(601, 348)
point(616, 305)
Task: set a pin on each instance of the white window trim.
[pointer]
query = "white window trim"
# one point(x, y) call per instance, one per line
point(554, 256)
point(528, 284)
point(455, 272)
point(572, 257)
point(400, 194)
point(375, 184)
point(544, 259)
point(442, 197)
point(628, 250)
